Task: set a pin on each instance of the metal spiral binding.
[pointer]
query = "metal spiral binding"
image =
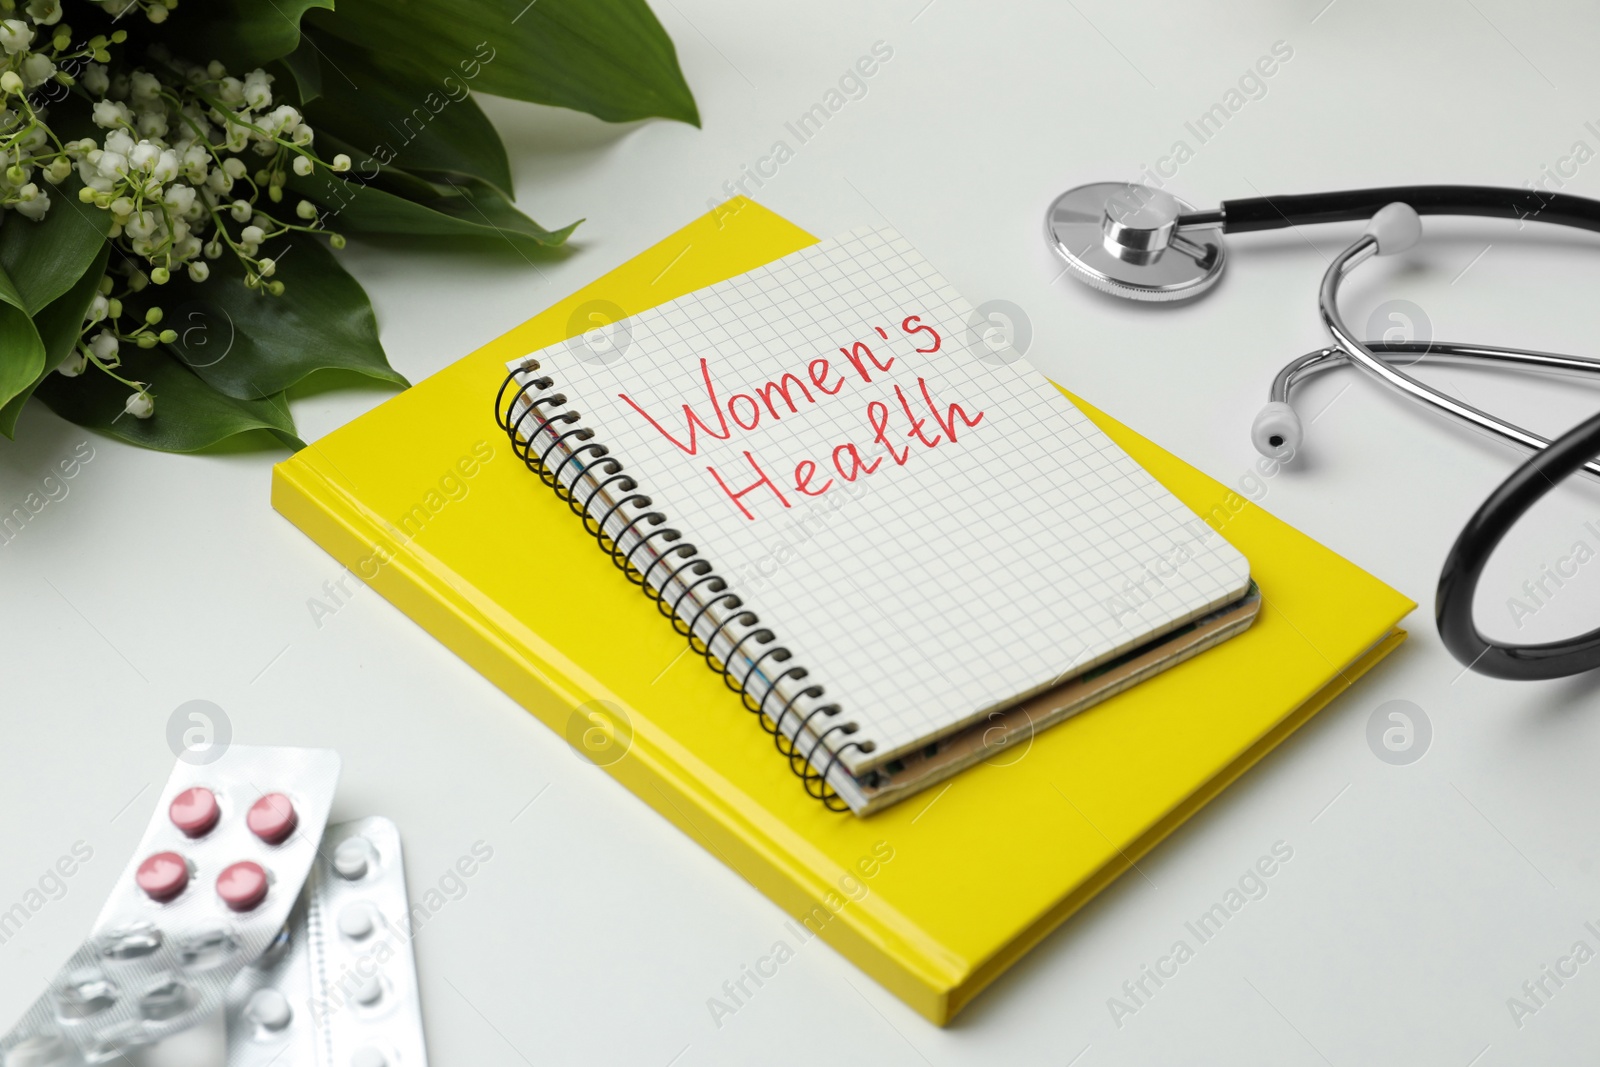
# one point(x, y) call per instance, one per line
point(559, 430)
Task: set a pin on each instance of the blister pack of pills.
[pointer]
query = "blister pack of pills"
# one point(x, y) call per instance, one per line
point(208, 891)
point(338, 988)
point(268, 1008)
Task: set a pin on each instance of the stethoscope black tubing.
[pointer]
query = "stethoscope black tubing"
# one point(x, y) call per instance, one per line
point(1463, 568)
point(1353, 205)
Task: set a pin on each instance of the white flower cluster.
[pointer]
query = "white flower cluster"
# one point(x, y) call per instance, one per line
point(170, 167)
point(23, 140)
point(170, 164)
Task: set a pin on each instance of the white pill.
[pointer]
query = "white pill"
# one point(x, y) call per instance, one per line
point(353, 857)
point(269, 1008)
point(370, 991)
point(355, 921)
point(369, 1057)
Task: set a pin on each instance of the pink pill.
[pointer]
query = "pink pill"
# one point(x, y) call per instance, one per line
point(272, 818)
point(162, 876)
point(242, 885)
point(195, 811)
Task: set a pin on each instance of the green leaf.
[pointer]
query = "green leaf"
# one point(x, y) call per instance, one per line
point(482, 206)
point(21, 348)
point(473, 210)
point(45, 258)
point(21, 351)
point(304, 68)
point(366, 170)
point(249, 344)
point(402, 116)
point(61, 321)
point(189, 414)
point(610, 58)
point(243, 34)
point(59, 325)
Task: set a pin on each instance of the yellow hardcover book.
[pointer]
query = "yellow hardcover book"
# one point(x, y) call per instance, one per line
point(935, 897)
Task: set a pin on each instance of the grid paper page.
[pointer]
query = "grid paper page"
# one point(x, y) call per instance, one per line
point(927, 563)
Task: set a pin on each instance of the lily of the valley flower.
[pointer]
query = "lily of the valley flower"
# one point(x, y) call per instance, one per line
point(167, 162)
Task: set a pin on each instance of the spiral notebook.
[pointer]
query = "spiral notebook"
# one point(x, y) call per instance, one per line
point(893, 537)
point(422, 503)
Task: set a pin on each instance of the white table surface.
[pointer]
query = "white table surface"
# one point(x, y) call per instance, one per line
point(1419, 897)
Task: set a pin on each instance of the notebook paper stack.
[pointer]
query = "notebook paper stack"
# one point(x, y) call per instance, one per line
point(980, 542)
point(985, 865)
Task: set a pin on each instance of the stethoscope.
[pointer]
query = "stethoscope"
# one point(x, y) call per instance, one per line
point(1145, 244)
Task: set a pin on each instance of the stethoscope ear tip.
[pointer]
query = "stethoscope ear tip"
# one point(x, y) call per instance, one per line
point(1277, 432)
point(1396, 227)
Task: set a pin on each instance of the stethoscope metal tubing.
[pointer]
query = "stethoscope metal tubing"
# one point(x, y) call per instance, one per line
point(1363, 357)
point(1410, 353)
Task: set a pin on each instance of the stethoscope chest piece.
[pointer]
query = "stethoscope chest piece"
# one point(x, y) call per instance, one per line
point(1125, 239)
